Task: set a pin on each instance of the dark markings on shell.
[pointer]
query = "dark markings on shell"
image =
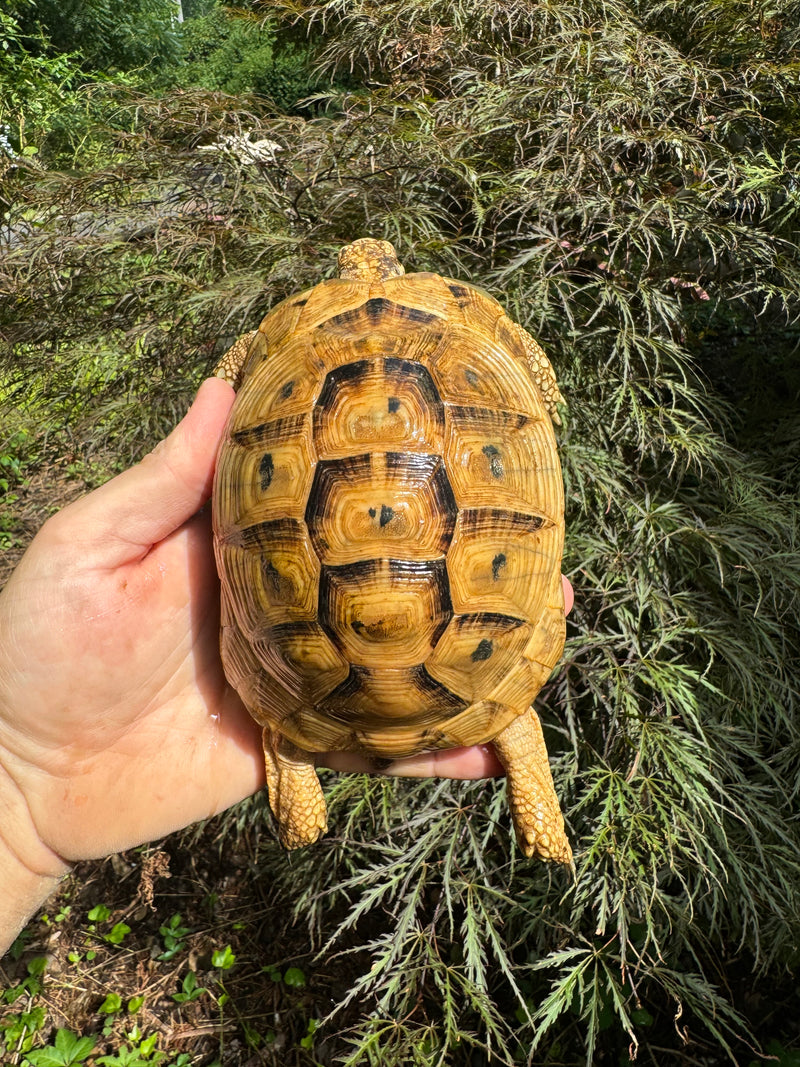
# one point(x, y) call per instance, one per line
point(266, 536)
point(458, 291)
point(361, 597)
point(364, 697)
point(378, 404)
point(498, 563)
point(415, 482)
point(266, 469)
point(272, 432)
point(499, 522)
point(499, 421)
point(398, 375)
point(375, 311)
point(403, 371)
point(348, 372)
point(386, 616)
point(483, 650)
point(420, 468)
point(492, 453)
point(272, 577)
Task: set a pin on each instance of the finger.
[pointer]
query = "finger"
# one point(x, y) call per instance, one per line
point(142, 506)
point(569, 595)
point(479, 761)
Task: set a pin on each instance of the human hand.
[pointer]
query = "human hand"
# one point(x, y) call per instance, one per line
point(116, 724)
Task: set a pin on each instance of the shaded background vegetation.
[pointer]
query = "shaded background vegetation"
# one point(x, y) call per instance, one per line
point(624, 176)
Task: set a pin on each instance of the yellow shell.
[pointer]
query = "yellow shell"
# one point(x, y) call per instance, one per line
point(388, 517)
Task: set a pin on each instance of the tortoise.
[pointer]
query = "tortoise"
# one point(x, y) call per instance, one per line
point(388, 529)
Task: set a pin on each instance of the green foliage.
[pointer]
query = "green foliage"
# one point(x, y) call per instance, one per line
point(33, 87)
point(50, 106)
point(117, 934)
point(68, 1049)
point(294, 978)
point(190, 990)
point(223, 958)
point(138, 1053)
point(780, 1056)
point(112, 1003)
point(238, 52)
point(18, 1030)
point(30, 986)
point(107, 36)
point(172, 932)
point(99, 913)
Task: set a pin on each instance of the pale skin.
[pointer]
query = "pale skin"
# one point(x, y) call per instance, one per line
point(116, 723)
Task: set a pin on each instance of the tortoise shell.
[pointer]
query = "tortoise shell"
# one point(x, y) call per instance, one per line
point(388, 518)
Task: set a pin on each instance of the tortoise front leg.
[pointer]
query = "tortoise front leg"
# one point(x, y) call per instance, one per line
point(541, 371)
point(535, 810)
point(295, 794)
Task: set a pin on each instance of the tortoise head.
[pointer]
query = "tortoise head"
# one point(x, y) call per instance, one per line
point(368, 260)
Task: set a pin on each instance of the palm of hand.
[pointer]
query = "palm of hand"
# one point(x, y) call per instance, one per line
point(123, 728)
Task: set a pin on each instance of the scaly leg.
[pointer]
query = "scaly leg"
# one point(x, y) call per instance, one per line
point(295, 794)
point(232, 363)
point(535, 810)
point(541, 371)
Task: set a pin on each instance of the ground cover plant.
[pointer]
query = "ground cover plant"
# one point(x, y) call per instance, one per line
point(625, 178)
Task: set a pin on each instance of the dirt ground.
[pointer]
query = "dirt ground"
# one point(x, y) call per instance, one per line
point(261, 991)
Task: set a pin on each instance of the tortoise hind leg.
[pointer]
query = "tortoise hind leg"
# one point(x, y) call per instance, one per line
point(535, 810)
point(295, 794)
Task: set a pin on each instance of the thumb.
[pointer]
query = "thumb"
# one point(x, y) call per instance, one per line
point(145, 504)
